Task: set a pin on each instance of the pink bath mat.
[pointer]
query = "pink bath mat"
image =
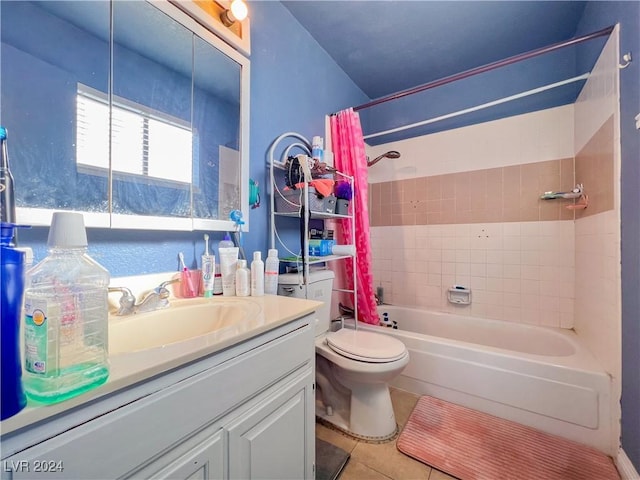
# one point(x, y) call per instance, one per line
point(472, 445)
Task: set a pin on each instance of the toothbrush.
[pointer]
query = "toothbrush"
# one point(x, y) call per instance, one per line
point(206, 244)
point(186, 277)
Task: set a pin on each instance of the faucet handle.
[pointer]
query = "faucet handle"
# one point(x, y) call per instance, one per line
point(127, 300)
point(162, 291)
point(167, 283)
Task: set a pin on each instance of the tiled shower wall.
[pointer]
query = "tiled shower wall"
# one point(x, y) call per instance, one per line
point(503, 194)
point(518, 271)
point(597, 312)
point(488, 229)
point(462, 207)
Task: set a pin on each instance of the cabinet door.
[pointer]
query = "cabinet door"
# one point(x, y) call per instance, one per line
point(204, 462)
point(275, 439)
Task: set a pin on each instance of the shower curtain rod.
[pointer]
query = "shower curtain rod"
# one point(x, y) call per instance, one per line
point(493, 103)
point(487, 67)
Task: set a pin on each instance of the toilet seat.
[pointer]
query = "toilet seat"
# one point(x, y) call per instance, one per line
point(366, 346)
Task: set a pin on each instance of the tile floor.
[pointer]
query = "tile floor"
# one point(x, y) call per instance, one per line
point(382, 461)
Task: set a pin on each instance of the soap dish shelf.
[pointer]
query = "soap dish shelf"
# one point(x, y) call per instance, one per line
point(459, 295)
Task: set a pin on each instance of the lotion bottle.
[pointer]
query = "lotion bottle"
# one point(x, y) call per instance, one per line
point(242, 279)
point(257, 275)
point(271, 271)
point(228, 268)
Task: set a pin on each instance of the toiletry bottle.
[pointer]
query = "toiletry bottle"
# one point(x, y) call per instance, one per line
point(228, 267)
point(271, 271)
point(226, 242)
point(317, 150)
point(217, 281)
point(257, 275)
point(65, 317)
point(242, 279)
point(12, 397)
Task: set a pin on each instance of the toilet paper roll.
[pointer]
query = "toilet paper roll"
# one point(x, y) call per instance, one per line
point(343, 250)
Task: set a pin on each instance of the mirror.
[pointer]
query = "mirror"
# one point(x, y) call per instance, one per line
point(45, 55)
point(129, 111)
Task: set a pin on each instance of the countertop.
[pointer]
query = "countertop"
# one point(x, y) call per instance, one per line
point(129, 368)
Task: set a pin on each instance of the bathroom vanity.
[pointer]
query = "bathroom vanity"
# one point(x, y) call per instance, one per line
point(239, 405)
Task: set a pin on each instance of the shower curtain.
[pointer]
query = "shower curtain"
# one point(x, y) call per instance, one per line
point(350, 158)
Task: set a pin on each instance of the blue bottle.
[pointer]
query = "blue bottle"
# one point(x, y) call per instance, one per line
point(12, 397)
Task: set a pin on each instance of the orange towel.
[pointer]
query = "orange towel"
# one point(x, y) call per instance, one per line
point(324, 186)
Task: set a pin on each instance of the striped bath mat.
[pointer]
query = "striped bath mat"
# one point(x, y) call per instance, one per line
point(472, 445)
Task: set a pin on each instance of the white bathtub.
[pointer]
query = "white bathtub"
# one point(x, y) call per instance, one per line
point(537, 376)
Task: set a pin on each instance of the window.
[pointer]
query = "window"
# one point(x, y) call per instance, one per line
point(144, 142)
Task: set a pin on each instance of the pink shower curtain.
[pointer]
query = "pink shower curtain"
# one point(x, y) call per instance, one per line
point(350, 158)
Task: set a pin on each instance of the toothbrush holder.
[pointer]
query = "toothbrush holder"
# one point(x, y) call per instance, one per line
point(195, 276)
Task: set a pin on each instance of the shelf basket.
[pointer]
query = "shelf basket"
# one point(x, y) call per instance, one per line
point(289, 202)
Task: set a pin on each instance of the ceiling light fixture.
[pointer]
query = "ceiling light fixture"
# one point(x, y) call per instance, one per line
point(237, 11)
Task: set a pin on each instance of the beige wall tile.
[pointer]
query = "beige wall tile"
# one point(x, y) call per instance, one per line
point(462, 182)
point(594, 169)
point(448, 186)
point(409, 190)
point(463, 201)
point(550, 210)
point(396, 192)
point(374, 194)
point(385, 192)
point(433, 206)
point(408, 219)
point(550, 183)
point(422, 189)
point(548, 167)
point(505, 194)
point(434, 187)
point(422, 218)
point(435, 218)
point(567, 174)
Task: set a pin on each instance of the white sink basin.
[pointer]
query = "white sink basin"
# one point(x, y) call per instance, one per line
point(182, 321)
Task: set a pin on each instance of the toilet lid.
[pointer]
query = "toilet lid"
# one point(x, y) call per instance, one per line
point(366, 346)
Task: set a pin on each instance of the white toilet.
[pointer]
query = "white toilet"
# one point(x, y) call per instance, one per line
point(353, 367)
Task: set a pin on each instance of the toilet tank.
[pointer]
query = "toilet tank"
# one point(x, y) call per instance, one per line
point(319, 288)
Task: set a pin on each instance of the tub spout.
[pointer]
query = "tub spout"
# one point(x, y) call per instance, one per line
point(379, 295)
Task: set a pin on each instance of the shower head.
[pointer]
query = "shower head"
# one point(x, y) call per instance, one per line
point(389, 154)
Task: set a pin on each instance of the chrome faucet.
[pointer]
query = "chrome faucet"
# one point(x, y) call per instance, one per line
point(156, 299)
point(127, 300)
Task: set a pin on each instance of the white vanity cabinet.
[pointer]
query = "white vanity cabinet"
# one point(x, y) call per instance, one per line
point(245, 412)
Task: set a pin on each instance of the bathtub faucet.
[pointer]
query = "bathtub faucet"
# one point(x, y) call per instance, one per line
point(379, 295)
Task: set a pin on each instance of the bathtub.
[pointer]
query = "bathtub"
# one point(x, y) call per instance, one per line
point(537, 376)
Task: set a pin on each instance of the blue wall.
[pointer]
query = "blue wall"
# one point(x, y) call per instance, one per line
point(477, 90)
point(294, 83)
point(597, 15)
